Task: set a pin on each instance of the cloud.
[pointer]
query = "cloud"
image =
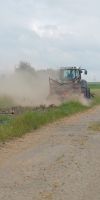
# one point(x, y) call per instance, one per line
point(50, 33)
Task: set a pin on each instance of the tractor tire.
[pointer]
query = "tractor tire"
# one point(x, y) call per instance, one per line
point(86, 92)
point(88, 95)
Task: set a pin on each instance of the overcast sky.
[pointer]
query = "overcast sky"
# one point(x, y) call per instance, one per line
point(50, 33)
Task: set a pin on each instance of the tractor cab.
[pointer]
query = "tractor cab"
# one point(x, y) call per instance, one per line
point(70, 81)
point(71, 74)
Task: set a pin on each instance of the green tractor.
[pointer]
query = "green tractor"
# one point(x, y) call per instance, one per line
point(70, 82)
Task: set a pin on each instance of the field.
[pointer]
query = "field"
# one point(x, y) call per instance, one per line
point(94, 85)
point(95, 90)
point(28, 119)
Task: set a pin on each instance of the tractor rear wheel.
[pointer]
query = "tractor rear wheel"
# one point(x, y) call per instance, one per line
point(88, 95)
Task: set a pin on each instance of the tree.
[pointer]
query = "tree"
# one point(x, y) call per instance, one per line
point(25, 67)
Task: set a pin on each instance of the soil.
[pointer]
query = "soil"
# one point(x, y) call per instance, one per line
point(61, 161)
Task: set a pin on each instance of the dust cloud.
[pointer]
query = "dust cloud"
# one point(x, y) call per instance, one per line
point(32, 89)
point(84, 101)
point(25, 89)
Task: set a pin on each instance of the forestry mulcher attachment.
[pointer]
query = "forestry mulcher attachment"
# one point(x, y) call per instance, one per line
point(70, 82)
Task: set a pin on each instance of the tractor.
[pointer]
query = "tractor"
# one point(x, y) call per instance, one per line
point(70, 82)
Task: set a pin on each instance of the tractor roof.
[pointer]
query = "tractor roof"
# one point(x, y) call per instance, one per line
point(75, 68)
point(62, 68)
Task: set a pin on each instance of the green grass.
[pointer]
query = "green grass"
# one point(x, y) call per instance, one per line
point(96, 99)
point(4, 119)
point(94, 85)
point(30, 121)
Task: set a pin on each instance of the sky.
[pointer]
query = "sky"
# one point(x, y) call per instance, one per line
point(50, 33)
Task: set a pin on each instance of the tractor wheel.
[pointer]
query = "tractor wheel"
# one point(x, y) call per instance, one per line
point(88, 95)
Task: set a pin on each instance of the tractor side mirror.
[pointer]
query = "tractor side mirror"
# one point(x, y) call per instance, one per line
point(85, 72)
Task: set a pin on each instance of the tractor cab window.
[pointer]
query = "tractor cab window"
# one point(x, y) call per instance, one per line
point(69, 74)
point(77, 74)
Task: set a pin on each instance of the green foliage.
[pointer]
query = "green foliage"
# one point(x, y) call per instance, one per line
point(4, 119)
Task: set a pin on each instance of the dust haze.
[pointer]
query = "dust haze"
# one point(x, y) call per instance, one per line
point(31, 88)
point(26, 89)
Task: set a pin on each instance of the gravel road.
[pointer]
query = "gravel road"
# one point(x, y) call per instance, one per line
point(61, 161)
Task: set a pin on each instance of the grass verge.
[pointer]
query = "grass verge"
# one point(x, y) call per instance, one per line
point(29, 121)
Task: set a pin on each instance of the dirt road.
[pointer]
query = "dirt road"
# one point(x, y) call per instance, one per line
point(58, 162)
